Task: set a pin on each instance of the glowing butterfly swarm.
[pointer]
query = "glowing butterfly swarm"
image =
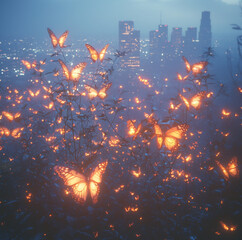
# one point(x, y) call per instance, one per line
point(95, 55)
point(196, 68)
point(10, 116)
point(15, 133)
point(231, 170)
point(75, 73)
point(132, 130)
point(170, 137)
point(55, 41)
point(195, 101)
point(92, 92)
point(80, 185)
point(29, 65)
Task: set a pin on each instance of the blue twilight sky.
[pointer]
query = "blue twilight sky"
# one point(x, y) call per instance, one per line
point(99, 18)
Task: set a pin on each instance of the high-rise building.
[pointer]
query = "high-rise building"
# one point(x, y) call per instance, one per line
point(129, 42)
point(190, 35)
point(163, 32)
point(158, 45)
point(190, 41)
point(176, 37)
point(154, 45)
point(205, 34)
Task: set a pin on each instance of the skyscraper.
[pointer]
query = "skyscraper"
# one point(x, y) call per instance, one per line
point(205, 34)
point(190, 35)
point(158, 45)
point(163, 32)
point(154, 46)
point(190, 42)
point(176, 37)
point(129, 42)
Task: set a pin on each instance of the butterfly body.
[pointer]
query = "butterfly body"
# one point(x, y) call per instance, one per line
point(93, 93)
point(81, 186)
point(12, 117)
point(94, 53)
point(15, 133)
point(232, 168)
point(75, 73)
point(57, 41)
point(196, 68)
point(171, 137)
point(195, 101)
point(132, 130)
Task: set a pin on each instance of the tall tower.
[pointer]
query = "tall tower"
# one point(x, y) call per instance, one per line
point(129, 42)
point(190, 35)
point(190, 42)
point(158, 45)
point(176, 37)
point(205, 33)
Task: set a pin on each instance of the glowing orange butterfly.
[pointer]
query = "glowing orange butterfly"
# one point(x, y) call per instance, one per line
point(55, 41)
point(196, 68)
point(10, 116)
point(227, 228)
point(132, 130)
point(92, 92)
point(29, 65)
point(195, 101)
point(231, 170)
point(34, 94)
point(15, 133)
point(170, 137)
point(79, 185)
point(75, 73)
point(95, 55)
point(179, 76)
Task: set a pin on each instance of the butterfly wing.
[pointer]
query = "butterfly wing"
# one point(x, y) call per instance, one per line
point(224, 170)
point(173, 135)
point(95, 180)
point(8, 115)
point(27, 64)
point(16, 133)
point(4, 131)
point(62, 39)
point(131, 128)
point(92, 92)
point(196, 100)
point(158, 134)
point(186, 102)
point(198, 67)
point(53, 37)
point(233, 167)
point(93, 52)
point(103, 52)
point(74, 180)
point(188, 66)
point(77, 70)
point(66, 72)
point(102, 93)
point(137, 131)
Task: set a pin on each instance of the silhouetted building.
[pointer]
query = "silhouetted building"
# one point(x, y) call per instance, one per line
point(163, 32)
point(190, 42)
point(129, 42)
point(190, 35)
point(176, 37)
point(158, 45)
point(205, 34)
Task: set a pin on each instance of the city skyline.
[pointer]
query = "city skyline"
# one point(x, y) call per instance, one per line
point(31, 18)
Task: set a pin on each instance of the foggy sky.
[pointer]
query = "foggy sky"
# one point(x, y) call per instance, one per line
point(99, 18)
